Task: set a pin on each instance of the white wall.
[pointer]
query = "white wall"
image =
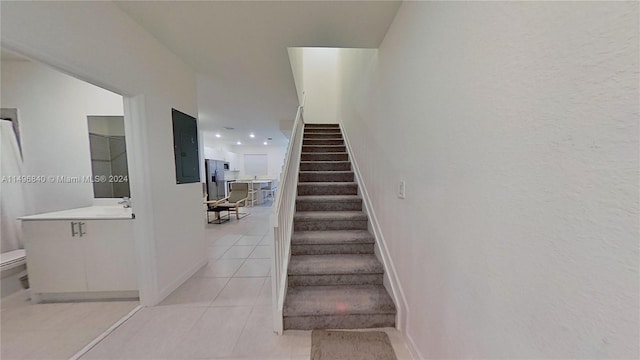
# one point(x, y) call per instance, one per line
point(296, 59)
point(53, 109)
point(320, 83)
point(220, 151)
point(515, 126)
point(275, 159)
point(98, 42)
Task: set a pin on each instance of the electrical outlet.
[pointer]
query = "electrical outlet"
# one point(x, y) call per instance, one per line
point(401, 190)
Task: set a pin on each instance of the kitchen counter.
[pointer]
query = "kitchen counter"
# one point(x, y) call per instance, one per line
point(86, 213)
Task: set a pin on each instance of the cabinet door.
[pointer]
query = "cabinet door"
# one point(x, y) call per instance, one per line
point(55, 259)
point(110, 255)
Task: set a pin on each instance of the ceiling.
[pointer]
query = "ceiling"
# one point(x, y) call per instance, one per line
point(238, 50)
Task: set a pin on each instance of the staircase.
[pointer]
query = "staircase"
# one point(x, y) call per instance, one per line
point(334, 279)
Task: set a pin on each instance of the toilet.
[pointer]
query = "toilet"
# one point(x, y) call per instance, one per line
point(12, 268)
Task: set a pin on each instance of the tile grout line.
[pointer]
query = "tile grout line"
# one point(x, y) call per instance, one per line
point(219, 292)
point(246, 322)
point(104, 334)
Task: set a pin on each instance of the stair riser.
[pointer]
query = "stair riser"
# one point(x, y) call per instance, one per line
point(325, 166)
point(322, 135)
point(331, 176)
point(331, 249)
point(345, 279)
point(339, 321)
point(322, 142)
point(322, 130)
point(323, 149)
point(328, 205)
point(330, 225)
point(324, 157)
point(305, 189)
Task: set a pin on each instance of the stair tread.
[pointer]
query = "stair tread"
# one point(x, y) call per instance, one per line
point(327, 237)
point(329, 198)
point(326, 171)
point(335, 264)
point(322, 135)
point(324, 161)
point(327, 183)
point(324, 146)
point(338, 300)
point(323, 153)
point(322, 139)
point(329, 215)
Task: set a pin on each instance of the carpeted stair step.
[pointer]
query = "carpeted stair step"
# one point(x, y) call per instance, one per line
point(322, 142)
point(329, 220)
point(328, 176)
point(332, 156)
point(332, 242)
point(335, 269)
point(321, 125)
point(322, 135)
point(338, 307)
point(334, 278)
point(323, 148)
point(327, 188)
point(325, 165)
point(321, 130)
point(329, 203)
point(332, 237)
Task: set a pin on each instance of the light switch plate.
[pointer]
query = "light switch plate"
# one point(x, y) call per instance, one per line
point(401, 190)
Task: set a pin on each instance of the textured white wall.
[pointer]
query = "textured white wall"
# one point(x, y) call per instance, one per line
point(220, 151)
point(275, 158)
point(320, 84)
point(100, 43)
point(296, 58)
point(53, 109)
point(515, 126)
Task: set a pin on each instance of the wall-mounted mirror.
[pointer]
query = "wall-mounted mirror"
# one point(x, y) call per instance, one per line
point(108, 156)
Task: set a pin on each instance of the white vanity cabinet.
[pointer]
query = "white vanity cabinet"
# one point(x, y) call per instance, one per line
point(76, 259)
point(56, 258)
point(109, 255)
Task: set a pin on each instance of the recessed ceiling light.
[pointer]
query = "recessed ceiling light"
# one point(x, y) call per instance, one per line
point(218, 135)
point(265, 143)
point(252, 135)
point(238, 143)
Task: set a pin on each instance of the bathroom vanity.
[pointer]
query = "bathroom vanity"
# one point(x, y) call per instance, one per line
point(81, 254)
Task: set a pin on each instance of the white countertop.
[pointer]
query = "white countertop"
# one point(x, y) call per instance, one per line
point(255, 181)
point(86, 213)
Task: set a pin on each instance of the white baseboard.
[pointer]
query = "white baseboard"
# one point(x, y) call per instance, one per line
point(179, 281)
point(128, 295)
point(413, 349)
point(389, 269)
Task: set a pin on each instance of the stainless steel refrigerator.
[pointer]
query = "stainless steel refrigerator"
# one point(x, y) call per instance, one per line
point(215, 178)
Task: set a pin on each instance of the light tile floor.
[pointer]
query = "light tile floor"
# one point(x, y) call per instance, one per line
point(53, 331)
point(223, 311)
